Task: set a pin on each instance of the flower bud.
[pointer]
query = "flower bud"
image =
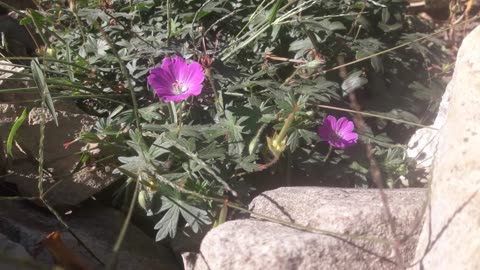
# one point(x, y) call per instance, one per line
point(277, 145)
point(315, 64)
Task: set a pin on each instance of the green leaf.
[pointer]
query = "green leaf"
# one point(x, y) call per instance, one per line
point(97, 46)
point(68, 55)
point(167, 226)
point(377, 63)
point(331, 26)
point(353, 82)
point(389, 27)
point(40, 81)
point(16, 125)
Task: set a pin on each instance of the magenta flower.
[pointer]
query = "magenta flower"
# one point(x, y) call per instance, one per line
point(176, 80)
point(338, 133)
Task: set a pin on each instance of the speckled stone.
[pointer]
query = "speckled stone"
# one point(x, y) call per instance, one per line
point(256, 244)
point(450, 238)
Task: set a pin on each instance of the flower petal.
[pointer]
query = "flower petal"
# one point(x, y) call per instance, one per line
point(350, 137)
point(159, 80)
point(338, 144)
point(192, 74)
point(330, 121)
point(340, 123)
point(347, 127)
point(324, 132)
point(174, 66)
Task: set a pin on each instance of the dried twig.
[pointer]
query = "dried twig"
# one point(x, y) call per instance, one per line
point(374, 168)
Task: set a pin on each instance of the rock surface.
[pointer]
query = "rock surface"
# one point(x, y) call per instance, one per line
point(18, 38)
point(70, 189)
point(423, 144)
point(450, 238)
point(96, 226)
point(7, 82)
point(256, 244)
point(13, 251)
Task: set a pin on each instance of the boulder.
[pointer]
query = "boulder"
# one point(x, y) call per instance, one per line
point(354, 232)
point(95, 225)
point(450, 238)
point(423, 144)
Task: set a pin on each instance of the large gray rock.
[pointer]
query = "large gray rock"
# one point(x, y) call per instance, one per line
point(96, 226)
point(450, 238)
point(423, 144)
point(254, 244)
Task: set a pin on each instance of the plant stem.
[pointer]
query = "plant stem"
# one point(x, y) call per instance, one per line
point(169, 23)
point(330, 149)
point(112, 263)
point(173, 112)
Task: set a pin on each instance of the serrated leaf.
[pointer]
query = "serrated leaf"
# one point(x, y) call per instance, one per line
point(212, 152)
point(167, 226)
point(353, 82)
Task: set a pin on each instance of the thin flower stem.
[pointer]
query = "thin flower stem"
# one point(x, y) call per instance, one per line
point(375, 115)
point(290, 77)
point(180, 114)
point(173, 112)
point(15, 72)
point(41, 193)
point(180, 118)
point(112, 263)
point(80, 26)
point(330, 149)
point(169, 23)
point(288, 123)
point(46, 58)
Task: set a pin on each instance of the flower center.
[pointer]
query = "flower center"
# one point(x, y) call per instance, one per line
point(334, 136)
point(179, 88)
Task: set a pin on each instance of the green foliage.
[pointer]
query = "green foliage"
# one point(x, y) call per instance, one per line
point(213, 142)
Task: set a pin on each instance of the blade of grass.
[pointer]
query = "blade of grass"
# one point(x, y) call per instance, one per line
point(16, 125)
point(40, 81)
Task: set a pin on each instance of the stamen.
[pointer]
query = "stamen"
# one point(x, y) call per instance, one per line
point(178, 88)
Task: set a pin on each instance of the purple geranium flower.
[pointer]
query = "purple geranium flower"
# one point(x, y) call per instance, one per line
point(176, 80)
point(338, 133)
